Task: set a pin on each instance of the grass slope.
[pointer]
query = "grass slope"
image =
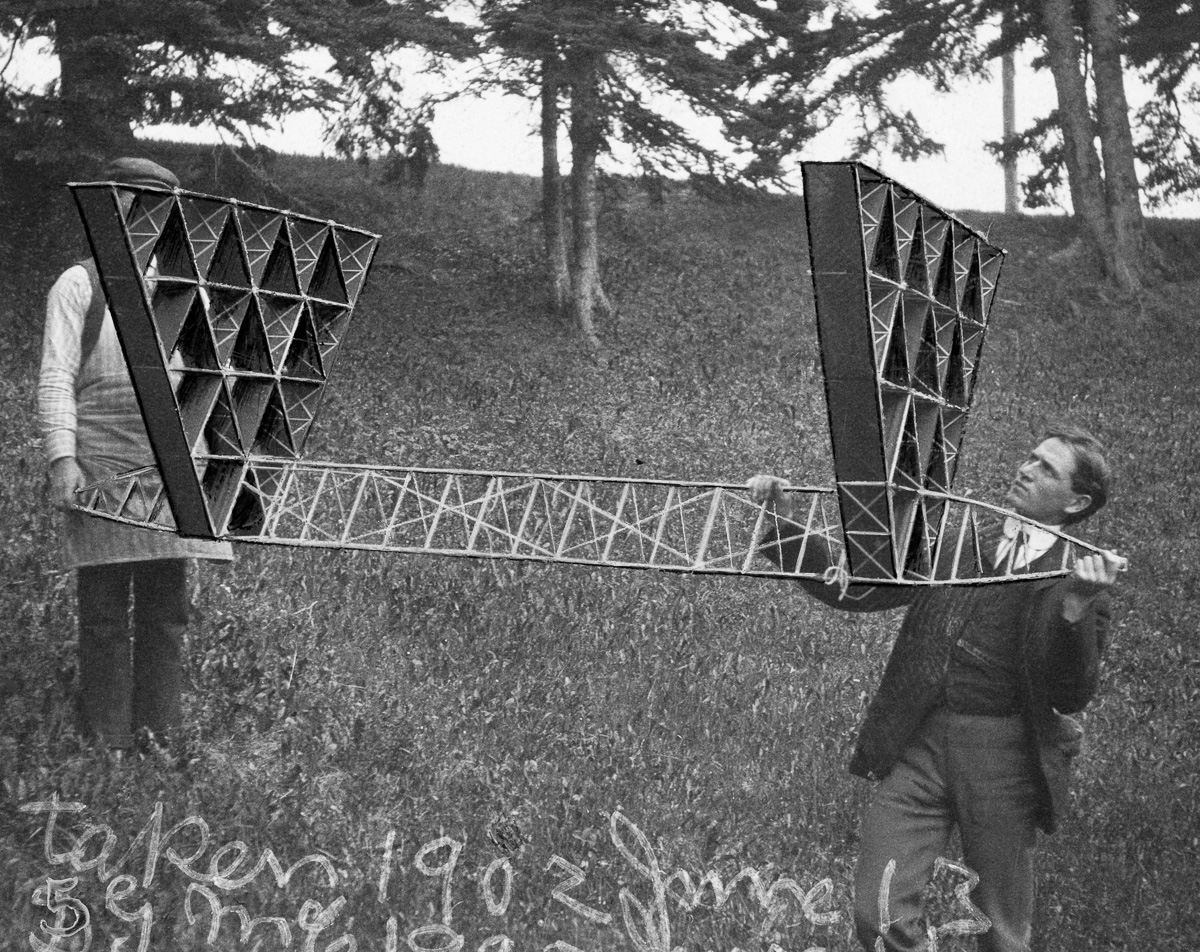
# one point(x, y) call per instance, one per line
point(339, 700)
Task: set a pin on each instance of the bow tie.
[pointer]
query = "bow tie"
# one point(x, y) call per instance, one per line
point(1026, 542)
point(1012, 544)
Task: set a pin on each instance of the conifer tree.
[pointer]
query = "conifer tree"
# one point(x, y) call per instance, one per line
point(814, 67)
point(231, 63)
point(129, 62)
point(614, 72)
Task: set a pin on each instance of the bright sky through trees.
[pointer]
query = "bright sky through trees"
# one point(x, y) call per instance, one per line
point(499, 133)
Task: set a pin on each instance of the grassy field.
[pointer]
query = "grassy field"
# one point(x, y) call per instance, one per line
point(373, 713)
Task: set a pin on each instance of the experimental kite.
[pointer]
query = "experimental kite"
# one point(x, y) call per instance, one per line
point(232, 316)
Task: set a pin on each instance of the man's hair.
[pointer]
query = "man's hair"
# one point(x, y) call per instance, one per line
point(1091, 474)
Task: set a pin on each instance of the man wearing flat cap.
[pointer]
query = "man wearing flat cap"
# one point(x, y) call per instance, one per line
point(130, 664)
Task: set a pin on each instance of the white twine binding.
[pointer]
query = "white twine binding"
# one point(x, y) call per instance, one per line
point(839, 576)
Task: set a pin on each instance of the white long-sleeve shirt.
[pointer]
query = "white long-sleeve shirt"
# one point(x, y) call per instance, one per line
point(91, 413)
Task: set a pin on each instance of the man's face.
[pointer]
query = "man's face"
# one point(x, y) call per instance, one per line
point(125, 199)
point(1042, 488)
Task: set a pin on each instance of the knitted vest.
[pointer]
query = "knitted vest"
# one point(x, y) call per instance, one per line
point(914, 676)
point(984, 671)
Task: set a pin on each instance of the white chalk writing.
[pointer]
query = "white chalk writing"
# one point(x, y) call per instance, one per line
point(213, 870)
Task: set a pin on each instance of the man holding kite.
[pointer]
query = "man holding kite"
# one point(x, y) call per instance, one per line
point(970, 725)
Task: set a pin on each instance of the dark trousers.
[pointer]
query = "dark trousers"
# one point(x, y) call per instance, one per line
point(980, 774)
point(130, 664)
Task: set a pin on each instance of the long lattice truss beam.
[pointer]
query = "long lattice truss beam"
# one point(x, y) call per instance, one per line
point(707, 528)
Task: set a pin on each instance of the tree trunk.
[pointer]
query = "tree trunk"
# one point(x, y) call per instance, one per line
point(1012, 202)
point(1084, 175)
point(553, 217)
point(1116, 144)
point(97, 101)
point(587, 136)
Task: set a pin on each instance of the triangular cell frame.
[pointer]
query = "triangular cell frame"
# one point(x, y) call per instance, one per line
point(229, 314)
point(903, 294)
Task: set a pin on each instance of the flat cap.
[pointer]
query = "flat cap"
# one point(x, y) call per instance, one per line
point(130, 170)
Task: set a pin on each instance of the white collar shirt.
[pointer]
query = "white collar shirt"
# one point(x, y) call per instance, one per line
point(1030, 542)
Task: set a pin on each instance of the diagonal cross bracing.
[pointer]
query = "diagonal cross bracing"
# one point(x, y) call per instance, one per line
point(703, 528)
point(682, 526)
point(599, 521)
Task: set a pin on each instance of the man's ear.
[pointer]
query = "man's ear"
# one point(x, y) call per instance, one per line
point(1078, 504)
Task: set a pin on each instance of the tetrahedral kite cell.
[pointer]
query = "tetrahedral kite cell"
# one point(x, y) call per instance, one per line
point(231, 316)
point(903, 294)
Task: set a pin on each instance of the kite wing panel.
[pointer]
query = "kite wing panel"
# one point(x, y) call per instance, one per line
point(230, 316)
point(903, 294)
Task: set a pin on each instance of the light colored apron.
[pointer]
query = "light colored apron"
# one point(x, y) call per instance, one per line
point(110, 438)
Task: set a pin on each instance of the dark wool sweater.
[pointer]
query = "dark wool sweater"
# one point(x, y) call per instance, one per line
point(1058, 662)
